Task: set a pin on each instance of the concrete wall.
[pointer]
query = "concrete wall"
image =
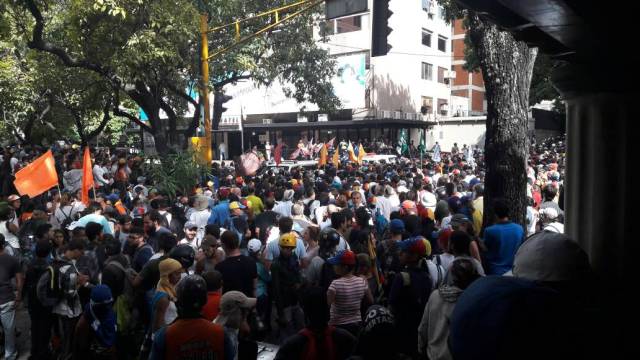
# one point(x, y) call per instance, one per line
point(470, 131)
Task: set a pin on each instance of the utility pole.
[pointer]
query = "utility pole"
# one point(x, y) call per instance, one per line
point(204, 86)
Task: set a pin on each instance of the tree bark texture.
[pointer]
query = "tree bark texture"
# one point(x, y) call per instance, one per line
point(507, 66)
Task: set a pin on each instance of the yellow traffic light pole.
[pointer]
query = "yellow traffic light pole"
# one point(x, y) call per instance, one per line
point(205, 57)
point(204, 87)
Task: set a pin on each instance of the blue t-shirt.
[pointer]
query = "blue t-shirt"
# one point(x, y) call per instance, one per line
point(99, 219)
point(502, 242)
point(220, 213)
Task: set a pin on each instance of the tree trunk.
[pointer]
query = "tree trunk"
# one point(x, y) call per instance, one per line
point(507, 66)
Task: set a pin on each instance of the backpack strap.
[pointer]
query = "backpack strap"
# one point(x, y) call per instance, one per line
point(406, 278)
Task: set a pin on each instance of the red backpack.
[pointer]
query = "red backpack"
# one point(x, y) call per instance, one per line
point(326, 350)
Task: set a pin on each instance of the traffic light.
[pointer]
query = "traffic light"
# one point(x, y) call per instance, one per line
point(218, 101)
point(380, 28)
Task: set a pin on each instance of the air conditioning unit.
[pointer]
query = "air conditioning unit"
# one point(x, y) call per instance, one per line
point(397, 115)
point(302, 119)
point(267, 121)
point(323, 117)
point(448, 74)
point(387, 114)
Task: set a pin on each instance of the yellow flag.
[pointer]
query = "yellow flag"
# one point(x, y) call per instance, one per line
point(361, 154)
point(336, 158)
point(324, 154)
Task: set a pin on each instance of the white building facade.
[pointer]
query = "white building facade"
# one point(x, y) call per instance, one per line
point(408, 88)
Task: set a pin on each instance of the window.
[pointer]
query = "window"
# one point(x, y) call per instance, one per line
point(327, 27)
point(427, 71)
point(427, 105)
point(348, 24)
point(442, 43)
point(443, 106)
point(342, 25)
point(441, 71)
point(426, 37)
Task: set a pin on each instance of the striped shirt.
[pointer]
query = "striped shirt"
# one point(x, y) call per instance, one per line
point(349, 291)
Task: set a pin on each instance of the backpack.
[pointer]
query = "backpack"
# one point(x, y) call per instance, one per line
point(126, 314)
point(327, 275)
point(381, 222)
point(316, 351)
point(49, 289)
point(67, 218)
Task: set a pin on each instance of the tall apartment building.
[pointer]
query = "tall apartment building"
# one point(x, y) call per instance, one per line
point(409, 88)
point(467, 90)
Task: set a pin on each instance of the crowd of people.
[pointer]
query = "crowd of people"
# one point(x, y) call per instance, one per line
point(386, 261)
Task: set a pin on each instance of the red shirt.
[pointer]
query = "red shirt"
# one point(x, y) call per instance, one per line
point(212, 307)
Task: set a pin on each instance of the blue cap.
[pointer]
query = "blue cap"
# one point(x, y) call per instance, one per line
point(101, 294)
point(396, 226)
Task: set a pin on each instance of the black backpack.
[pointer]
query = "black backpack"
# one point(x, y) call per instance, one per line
point(327, 275)
point(49, 289)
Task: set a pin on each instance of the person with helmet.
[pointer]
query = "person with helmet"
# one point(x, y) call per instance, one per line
point(95, 333)
point(286, 279)
point(410, 292)
point(190, 335)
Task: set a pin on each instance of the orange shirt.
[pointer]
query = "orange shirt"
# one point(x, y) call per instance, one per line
point(212, 307)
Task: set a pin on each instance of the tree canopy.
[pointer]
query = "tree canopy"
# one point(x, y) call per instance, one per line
point(113, 57)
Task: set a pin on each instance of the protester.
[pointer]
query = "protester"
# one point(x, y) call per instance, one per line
point(192, 336)
point(502, 240)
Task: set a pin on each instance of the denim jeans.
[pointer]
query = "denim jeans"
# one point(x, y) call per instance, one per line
point(8, 317)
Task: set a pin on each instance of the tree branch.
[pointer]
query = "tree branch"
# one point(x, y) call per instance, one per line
point(179, 93)
point(119, 112)
point(105, 119)
point(38, 43)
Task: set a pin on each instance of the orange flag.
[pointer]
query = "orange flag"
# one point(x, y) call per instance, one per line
point(87, 175)
point(324, 154)
point(37, 177)
point(361, 154)
point(336, 158)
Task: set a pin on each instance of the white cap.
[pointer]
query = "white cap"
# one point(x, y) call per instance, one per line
point(254, 245)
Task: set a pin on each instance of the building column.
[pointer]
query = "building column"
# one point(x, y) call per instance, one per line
point(600, 109)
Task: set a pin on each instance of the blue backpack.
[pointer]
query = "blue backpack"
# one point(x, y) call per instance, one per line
point(381, 222)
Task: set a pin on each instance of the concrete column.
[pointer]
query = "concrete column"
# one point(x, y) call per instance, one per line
point(598, 188)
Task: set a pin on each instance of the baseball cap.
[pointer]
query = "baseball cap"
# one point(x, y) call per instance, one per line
point(254, 245)
point(408, 205)
point(549, 256)
point(343, 257)
point(233, 300)
point(13, 198)
point(396, 226)
point(236, 205)
point(190, 225)
point(416, 245)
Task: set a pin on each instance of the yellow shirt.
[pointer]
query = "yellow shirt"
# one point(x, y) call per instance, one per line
point(477, 221)
point(256, 204)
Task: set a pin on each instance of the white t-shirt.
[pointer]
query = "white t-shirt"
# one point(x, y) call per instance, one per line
point(200, 218)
